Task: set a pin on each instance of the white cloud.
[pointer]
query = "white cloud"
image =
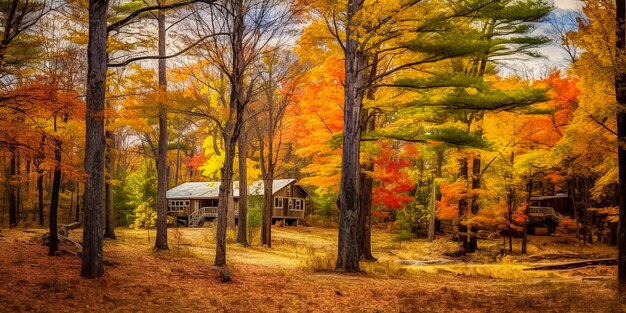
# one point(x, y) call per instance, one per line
point(573, 5)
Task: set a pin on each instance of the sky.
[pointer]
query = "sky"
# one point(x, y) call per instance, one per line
point(554, 56)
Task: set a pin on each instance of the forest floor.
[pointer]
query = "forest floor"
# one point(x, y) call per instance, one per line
point(294, 276)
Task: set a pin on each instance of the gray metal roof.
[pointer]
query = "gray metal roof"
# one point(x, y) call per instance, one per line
point(210, 190)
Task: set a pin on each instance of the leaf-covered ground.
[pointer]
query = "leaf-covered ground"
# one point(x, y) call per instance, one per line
point(291, 277)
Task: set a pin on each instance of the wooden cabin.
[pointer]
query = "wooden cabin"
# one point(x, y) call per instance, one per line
point(545, 212)
point(195, 202)
point(561, 203)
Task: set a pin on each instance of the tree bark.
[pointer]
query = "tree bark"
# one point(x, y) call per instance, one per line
point(12, 197)
point(267, 172)
point(54, 200)
point(620, 95)
point(349, 191)
point(109, 220)
point(161, 224)
point(77, 218)
point(433, 212)
point(222, 207)
point(40, 195)
point(365, 216)
point(473, 240)
point(92, 266)
point(242, 229)
point(266, 236)
point(231, 131)
point(463, 229)
point(177, 173)
point(367, 187)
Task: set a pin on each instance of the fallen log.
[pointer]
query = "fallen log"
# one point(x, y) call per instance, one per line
point(552, 256)
point(62, 240)
point(427, 262)
point(64, 229)
point(572, 265)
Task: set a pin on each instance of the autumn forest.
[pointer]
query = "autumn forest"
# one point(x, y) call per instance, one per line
point(312, 156)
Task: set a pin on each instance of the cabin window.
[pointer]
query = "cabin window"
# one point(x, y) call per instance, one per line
point(288, 191)
point(290, 204)
point(177, 205)
point(278, 202)
point(298, 205)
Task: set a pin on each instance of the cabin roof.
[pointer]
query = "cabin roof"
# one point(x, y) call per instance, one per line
point(557, 196)
point(210, 190)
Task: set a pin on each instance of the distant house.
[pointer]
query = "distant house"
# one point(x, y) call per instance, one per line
point(547, 211)
point(195, 202)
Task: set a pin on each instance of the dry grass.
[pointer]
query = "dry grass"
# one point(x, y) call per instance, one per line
point(295, 275)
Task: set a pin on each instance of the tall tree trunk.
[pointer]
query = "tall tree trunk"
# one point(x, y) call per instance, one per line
point(54, 199)
point(224, 196)
point(268, 205)
point(40, 194)
point(349, 190)
point(18, 189)
point(433, 212)
point(473, 241)
point(368, 124)
point(77, 218)
point(510, 217)
point(529, 189)
point(177, 173)
point(71, 207)
point(267, 172)
point(367, 187)
point(242, 229)
point(92, 266)
point(109, 218)
point(230, 213)
point(231, 131)
point(11, 189)
point(365, 216)
point(463, 230)
point(161, 224)
point(620, 94)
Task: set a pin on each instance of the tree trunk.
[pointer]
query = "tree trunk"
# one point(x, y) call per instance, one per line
point(54, 200)
point(40, 195)
point(463, 229)
point(349, 191)
point(230, 215)
point(222, 207)
point(433, 213)
point(77, 218)
point(368, 124)
point(18, 189)
point(620, 94)
point(510, 217)
point(473, 240)
point(109, 218)
point(92, 266)
point(12, 197)
point(267, 172)
point(161, 224)
point(242, 229)
point(71, 207)
point(266, 232)
point(177, 173)
point(529, 189)
point(231, 131)
point(365, 223)
point(439, 174)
